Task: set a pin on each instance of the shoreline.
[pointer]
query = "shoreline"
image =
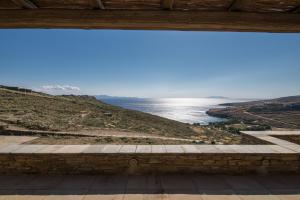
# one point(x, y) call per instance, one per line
point(185, 110)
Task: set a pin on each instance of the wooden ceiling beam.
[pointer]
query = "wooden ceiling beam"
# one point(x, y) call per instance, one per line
point(150, 20)
point(296, 10)
point(232, 6)
point(25, 4)
point(167, 4)
point(98, 4)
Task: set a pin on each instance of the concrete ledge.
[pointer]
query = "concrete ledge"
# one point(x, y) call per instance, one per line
point(148, 149)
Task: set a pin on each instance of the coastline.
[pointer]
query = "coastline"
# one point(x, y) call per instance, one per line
point(186, 110)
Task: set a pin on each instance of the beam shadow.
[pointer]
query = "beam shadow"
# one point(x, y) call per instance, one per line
point(280, 184)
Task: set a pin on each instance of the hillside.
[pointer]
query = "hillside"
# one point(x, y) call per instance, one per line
point(38, 111)
point(282, 101)
point(278, 113)
point(70, 119)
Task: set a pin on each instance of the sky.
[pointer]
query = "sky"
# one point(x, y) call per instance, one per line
point(151, 63)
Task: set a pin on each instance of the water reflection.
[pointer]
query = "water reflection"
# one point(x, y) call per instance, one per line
point(187, 110)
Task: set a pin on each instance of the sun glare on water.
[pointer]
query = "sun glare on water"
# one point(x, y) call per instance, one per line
point(189, 102)
point(189, 110)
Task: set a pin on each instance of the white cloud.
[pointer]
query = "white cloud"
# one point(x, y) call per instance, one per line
point(59, 89)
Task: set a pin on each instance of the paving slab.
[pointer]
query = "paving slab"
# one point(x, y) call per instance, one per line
point(174, 149)
point(11, 182)
point(158, 149)
point(72, 149)
point(190, 149)
point(219, 197)
point(104, 196)
point(137, 184)
point(282, 150)
point(293, 147)
point(94, 149)
point(282, 132)
point(183, 197)
point(261, 149)
point(64, 195)
point(154, 183)
point(75, 182)
point(4, 145)
point(241, 149)
point(255, 133)
point(128, 149)
point(290, 180)
point(111, 149)
point(289, 197)
point(9, 148)
point(275, 182)
point(208, 149)
point(143, 149)
point(49, 149)
point(133, 196)
point(259, 197)
point(110, 183)
point(21, 195)
point(206, 183)
point(244, 183)
point(275, 140)
point(226, 149)
point(181, 187)
point(29, 149)
point(40, 182)
point(173, 183)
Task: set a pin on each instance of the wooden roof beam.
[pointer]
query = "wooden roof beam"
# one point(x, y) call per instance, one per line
point(98, 4)
point(232, 6)
point(25, 4)
point(167, 4)
point(296, 10)
point(151, 20)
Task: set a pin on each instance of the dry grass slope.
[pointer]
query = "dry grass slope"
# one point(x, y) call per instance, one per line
point(37, 111)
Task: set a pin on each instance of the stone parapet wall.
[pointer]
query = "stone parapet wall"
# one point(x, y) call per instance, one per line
point(279, 156)
point(133, 163)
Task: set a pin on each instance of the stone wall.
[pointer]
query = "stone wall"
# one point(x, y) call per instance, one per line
point(148, 163)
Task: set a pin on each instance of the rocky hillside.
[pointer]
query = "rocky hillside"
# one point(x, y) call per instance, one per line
point(38, 111)
point(280, 113)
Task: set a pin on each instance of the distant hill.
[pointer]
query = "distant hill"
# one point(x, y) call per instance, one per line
point(100, 97)
point(281, 112)
point(217, 97)
point(19, 89)
point(281, 100)
point(39, 111)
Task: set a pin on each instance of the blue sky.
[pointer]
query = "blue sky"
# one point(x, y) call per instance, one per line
point(152, 63)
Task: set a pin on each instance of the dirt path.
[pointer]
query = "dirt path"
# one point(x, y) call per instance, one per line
point(120, 134)
point(153, 137)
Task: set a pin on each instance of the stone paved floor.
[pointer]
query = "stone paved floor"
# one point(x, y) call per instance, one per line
point(167, 187)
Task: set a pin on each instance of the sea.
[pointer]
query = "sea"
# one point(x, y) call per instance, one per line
point(187, 110)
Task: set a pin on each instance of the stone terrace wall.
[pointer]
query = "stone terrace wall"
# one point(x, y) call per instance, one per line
point(134, 163)
point(280, 156)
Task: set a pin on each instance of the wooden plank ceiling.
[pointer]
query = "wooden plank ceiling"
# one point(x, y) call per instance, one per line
point(214, 15)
